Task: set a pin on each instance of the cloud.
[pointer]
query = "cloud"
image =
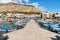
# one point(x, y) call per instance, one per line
point(44, 9)
point(5, 1)
point(36, 4)
point(26, 0)
point(21, 1)
point(18, 1)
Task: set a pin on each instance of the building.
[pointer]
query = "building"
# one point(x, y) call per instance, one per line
point(10, 16)
point(44, 16)
point(0, 15)
point(57, 14)
point(9, 9)
point(20, 15)
point(47, 15)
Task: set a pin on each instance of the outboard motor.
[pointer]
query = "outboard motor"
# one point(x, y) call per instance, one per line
point(59, 24)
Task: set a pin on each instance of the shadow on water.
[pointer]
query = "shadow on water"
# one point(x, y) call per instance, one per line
point(56, 38)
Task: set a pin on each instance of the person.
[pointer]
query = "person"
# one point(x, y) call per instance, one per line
point(6, 31)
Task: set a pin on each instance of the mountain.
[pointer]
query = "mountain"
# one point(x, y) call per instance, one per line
point(21, 8)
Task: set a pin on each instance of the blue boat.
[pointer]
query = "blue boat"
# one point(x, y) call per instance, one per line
point(5, 27)
point(49, 25)
point(55, 27)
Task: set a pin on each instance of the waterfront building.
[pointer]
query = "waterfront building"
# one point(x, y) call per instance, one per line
point(47, 15)
point(10, 16)
point(57, 14)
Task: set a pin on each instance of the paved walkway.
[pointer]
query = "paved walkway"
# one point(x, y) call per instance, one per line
point(32, 31)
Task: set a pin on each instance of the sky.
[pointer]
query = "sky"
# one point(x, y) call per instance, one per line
point(44, 5)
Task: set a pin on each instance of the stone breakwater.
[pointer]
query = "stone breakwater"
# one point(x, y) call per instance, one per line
point(31, 31)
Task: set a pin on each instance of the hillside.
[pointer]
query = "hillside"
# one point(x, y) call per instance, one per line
point(14, 7)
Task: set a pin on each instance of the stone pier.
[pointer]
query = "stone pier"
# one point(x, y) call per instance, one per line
point(31, 31)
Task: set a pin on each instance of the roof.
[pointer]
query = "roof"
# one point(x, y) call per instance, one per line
point(32, 31)
point(10, 15)
point(14, 7)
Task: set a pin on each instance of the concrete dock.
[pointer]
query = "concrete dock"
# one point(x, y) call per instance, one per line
point(31, 31)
